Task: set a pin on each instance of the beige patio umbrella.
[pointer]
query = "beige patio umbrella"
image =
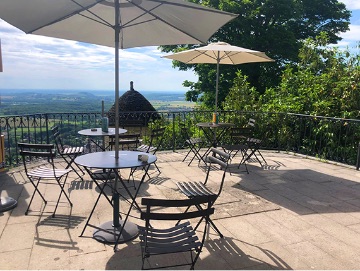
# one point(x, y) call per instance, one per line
point(219, 53)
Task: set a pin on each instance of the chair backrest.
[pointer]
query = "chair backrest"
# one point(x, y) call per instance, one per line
point(184, 132)
point(240, 134)
point(180, 238)
point(150, 214)
point(126, 141)
point(220, 159)
point(251, 123)
point(57, 139)
point(156, 138)
point(30, 152)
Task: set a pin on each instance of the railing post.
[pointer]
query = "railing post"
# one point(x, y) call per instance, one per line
point(173, 132)
point(47, 128)
point(358, 158)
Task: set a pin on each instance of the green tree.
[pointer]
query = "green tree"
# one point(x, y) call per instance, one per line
point(326, 82)
point(242, 96)
point(276, 27)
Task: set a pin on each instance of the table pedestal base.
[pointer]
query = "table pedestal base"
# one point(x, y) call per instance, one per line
point(109, 234)
point(7, 204)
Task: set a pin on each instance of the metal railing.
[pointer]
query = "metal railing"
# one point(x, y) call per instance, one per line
point(332, 139)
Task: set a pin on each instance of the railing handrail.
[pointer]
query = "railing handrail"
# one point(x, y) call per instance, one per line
point(331, 138)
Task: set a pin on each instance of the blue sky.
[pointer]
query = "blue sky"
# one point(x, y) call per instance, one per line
point(36, 62)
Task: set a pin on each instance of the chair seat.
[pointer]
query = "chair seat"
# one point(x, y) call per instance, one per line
point(235, 147)
point(73, 150)
point(180, 238)
point(146, 148)
point(254, 140)
point(48, 173)
point(194, 140)
point(194, 189)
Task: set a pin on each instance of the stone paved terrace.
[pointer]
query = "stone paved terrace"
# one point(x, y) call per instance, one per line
point(294, 213)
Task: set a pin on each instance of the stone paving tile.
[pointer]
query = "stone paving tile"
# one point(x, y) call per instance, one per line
point(278, 257)
point(241, 229)
point(276, 231)
point(284, 202)
point(316, 224)
point(336, 248)
point(20, 236)
point(334, 229)
point(16, 259)
point(315, 257)
point(355, 227)
point(90, 261)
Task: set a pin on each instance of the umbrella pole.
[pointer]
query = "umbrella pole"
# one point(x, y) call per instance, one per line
point(217, 82)
point(117, 33)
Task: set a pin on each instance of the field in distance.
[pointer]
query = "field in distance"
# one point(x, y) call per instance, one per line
point(20, 102)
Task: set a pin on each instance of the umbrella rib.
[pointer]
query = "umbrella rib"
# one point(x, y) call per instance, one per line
point(77, 12)
point(200, 54)
point(228, 55)
point(101, 20)
point(167, 23)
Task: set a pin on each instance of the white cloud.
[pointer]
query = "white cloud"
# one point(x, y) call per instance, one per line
point(32, 61)
point(351, 4)
point(353, 34)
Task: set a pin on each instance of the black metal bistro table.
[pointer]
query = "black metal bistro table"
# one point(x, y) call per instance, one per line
point(97, 132)
point(210, 131)
point(117, 230)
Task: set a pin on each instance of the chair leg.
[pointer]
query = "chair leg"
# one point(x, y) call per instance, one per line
point(131, 175)
point(70, 164)
point(243, 160)
point(261, 157)
point(212, 224)
point(157, 168)
point(36, 190)
point(62, 191)
point(186, 155)
point(197, 155)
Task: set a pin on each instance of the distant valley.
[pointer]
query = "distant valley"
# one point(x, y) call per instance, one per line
point(20, 102)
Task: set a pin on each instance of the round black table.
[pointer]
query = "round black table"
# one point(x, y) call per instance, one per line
point(116, 231)
point(96, 132)
point(210, 128)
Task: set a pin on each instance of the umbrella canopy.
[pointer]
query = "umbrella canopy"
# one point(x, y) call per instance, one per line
point(116, 23)
point(219, 53)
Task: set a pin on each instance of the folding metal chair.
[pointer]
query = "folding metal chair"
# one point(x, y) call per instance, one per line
point(194, 144)
point(156, 139)
point(253, 144)
point(254, 147)
point(181, 238)
point(197, 189)
point(238, 144)
point(68, 153)
point(44, 173)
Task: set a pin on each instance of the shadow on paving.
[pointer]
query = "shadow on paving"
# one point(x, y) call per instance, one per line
point(304, 191)
point(221, 253)
point(61, 225)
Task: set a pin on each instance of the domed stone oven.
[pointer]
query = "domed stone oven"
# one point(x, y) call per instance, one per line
point(130, 104)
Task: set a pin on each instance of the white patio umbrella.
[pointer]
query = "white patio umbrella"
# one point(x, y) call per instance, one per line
point(116, 23)
point(219, 53)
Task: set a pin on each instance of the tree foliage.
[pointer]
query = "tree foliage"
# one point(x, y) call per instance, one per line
point(326, 82)
point(276, 27)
